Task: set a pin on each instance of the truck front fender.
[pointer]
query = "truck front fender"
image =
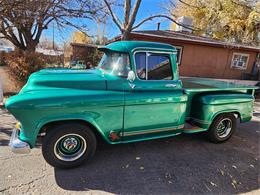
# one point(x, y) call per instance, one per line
point(87, 118)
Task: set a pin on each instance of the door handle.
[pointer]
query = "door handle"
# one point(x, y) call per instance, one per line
point(170, 85)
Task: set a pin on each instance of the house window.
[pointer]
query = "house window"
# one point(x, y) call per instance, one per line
point(239, 61)
point(179, 54)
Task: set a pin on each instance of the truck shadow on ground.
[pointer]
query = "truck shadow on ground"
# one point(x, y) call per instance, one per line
point(182, 164)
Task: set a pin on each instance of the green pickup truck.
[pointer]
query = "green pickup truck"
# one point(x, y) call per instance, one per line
point(135, 94)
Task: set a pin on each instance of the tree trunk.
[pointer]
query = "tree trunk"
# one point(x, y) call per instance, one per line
point(125, 35)
point(31, 48)
point(30, 45)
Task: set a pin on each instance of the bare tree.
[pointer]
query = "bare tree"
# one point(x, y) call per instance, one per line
point(130, 13)
point(46, 43)
point(23, 21)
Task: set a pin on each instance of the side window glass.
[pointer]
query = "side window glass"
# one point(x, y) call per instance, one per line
point(140, 60)
point(159, 67)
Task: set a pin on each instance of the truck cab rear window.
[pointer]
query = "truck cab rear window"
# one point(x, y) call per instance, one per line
point(152, 66)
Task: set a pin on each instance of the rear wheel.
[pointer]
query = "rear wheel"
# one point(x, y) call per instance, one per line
point(222, 128)
point(68, 145)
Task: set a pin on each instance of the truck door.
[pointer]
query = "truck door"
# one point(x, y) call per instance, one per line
point(154, 101)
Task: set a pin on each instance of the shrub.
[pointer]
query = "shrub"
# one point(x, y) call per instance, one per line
point(2, 58)
point(21, 64)
point(96, 57)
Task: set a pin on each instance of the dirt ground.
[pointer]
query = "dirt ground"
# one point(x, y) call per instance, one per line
point(185, 164)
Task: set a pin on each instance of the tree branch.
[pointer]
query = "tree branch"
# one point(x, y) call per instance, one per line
point(239, 3)
point(189, 4)
point(114, 17)
point(133, 15)
point(163, 16)
point(21, 39)
point(127, 10)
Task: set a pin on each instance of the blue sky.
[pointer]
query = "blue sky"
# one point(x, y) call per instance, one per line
point(147, 8)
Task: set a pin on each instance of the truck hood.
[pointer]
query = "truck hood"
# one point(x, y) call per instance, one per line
point(65, 78)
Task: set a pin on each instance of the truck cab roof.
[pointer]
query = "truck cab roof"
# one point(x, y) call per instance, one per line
point(130, 46)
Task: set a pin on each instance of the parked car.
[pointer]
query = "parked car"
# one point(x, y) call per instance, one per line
point(78, 65)
point(135, 94)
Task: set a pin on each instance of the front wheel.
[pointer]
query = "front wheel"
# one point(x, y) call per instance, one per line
point(222, 128)
point(68, 145)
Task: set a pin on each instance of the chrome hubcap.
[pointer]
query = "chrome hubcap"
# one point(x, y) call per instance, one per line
point(70, 143)
point(224, 128)
point(70, 147)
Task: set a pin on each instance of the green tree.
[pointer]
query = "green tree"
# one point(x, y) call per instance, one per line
point(230, 20)
point(80, 37)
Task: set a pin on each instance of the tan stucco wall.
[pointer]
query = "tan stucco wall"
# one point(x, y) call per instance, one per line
point(214, 62)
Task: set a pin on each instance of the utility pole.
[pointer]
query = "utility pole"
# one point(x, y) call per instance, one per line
point(98, 30)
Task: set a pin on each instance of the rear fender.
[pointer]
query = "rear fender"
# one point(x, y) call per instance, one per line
point(207, 107)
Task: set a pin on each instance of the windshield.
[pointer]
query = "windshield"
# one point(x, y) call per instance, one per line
point(115, 63)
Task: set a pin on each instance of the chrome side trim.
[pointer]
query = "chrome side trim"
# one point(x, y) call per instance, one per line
point(157, 50)
point(18, 146)
point(171, 85)
point(141, 132)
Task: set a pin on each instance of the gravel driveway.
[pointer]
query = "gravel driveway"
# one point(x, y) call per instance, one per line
point(186, 164)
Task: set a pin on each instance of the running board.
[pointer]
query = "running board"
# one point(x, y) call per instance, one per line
point(191, 128)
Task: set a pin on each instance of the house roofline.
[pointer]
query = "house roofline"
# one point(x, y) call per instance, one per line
point(199, 42)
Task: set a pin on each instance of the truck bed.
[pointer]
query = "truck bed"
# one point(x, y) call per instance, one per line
point(204, 85)
point(198, 86)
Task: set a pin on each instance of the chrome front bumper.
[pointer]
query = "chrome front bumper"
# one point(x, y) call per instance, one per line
point(18, 146)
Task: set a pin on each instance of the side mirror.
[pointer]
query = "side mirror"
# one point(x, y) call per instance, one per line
point(131, 76)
